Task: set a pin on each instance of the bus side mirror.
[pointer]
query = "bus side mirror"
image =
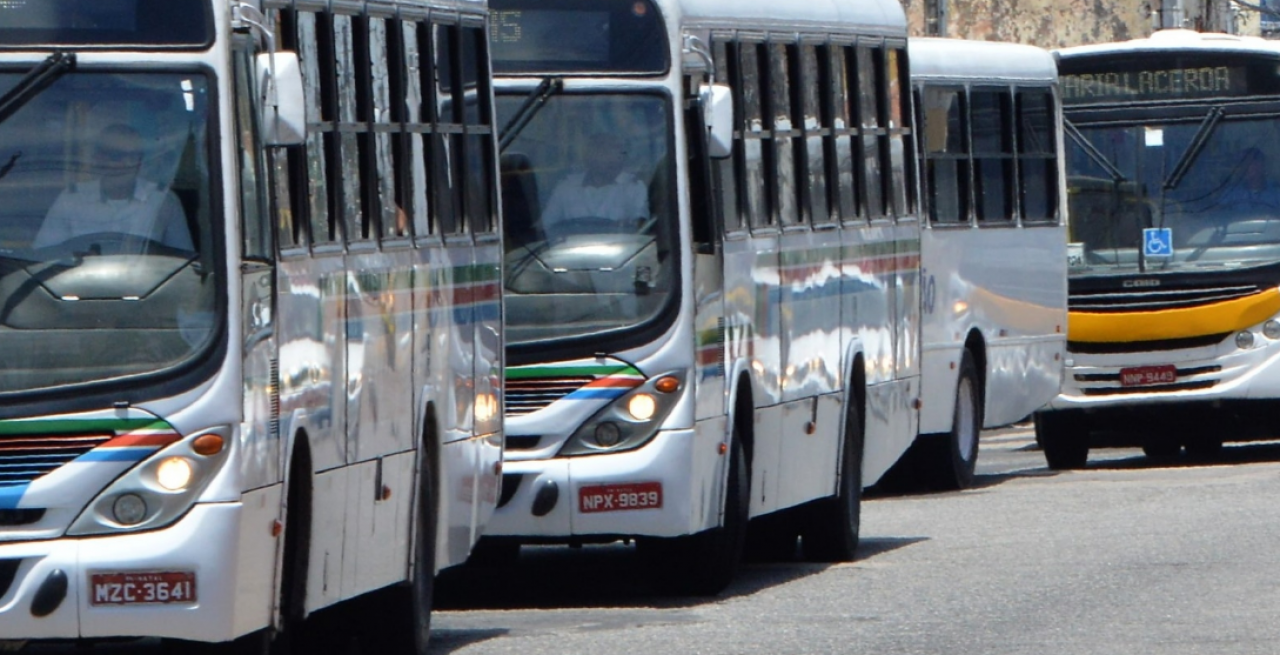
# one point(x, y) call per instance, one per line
point(284, 106)
point(717, 112)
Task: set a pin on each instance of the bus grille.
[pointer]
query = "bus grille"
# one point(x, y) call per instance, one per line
point(528, 396)
point(25, 458)
point(1156, 298)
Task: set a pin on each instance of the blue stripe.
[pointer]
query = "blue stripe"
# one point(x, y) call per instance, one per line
point(116, 454)
point(607, 393)
point(10, 497)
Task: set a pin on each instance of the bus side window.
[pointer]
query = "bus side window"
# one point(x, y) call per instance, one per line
point(478, 126)
point(315, 35)
point(348, 146)
point(418, 48)
point(1037, 156)
point(780, 159)
point(749, 58)
point(991, 121)
point(871, 177)
point(901, 142)
point(815, 90)
point(843, 133)
point(447, 165)
point(946, 158)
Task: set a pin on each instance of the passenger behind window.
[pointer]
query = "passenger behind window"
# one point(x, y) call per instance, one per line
point(118, 206)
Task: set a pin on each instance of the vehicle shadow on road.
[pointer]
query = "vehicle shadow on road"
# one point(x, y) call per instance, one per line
point(612, 575)
point(1233, 454)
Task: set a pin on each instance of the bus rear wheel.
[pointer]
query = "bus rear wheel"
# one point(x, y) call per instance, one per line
point(831, 532)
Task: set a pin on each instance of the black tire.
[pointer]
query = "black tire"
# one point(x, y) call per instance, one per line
point(398, 619)
point(1064, 438)
point(705, 563)
point(950, 458)
point(1161, 447)
point(1203, 447)
point(830, 533)
point(490, 552)
point(773, 538)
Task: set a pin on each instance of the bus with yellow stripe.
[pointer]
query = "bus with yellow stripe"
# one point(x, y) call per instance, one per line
point(1174, 255)
point(250, 329)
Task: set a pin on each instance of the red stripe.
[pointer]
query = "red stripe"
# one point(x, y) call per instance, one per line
point(135, 440)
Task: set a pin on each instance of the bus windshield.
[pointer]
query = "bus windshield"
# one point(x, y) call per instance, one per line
point(589, 216)
point(1211, 178)
point(106, 265)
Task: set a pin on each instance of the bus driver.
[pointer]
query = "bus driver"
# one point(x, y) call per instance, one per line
point(604, 191)
point(119, 201)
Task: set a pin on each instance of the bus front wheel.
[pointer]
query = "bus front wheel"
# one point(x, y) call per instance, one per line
point(1064, 439)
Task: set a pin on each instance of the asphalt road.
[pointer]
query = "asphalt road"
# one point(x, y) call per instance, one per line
point(1126, 557)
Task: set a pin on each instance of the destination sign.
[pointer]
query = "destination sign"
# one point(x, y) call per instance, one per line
point(105, 23)
point(1206, 81)
point(565, 37)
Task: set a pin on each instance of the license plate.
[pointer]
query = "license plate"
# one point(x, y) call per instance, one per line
point(1141, 376)
point(620, 497)
point(143, 588)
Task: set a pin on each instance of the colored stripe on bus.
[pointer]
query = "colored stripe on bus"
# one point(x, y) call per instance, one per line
point(1183, 323)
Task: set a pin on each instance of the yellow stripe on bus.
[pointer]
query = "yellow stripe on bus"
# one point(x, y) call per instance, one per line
point(1185, 323)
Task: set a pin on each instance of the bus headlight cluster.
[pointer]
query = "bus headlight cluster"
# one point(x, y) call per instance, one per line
point(1271, 329)
point(630, 421)
point(158, 490)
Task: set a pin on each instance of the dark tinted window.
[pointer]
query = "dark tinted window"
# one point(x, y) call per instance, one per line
point(87, 23)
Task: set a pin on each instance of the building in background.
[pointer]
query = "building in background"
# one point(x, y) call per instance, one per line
point(1061, 23)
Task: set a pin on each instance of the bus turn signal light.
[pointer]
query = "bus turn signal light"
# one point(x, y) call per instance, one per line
point(207, 444)
point(667, 384)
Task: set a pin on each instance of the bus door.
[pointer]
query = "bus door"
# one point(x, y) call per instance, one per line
point(260, 427)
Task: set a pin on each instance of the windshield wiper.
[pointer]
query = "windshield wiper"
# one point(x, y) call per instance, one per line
point(1193, 149)
point(528, 109)
point(8, 166)
point(1093, 152)
point(35, 81)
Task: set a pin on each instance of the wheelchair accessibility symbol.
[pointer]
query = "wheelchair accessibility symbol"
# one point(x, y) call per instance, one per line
point(1157, 242)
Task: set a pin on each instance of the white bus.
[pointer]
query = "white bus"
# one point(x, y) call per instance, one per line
point(994, 270)
point(712, 277)
point(1172, 161)
point(241, 382)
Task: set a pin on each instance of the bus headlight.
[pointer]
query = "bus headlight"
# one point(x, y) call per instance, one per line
point(158, 490)
point(1271, 329)
point(1244, 340)
point(174, 473)
point(629, 421)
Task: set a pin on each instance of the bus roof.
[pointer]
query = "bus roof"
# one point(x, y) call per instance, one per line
point(879, 16)
point(1178, 39)
point(959, 60)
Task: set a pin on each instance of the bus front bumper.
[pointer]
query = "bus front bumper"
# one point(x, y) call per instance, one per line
point(53, 594)
point(667, 488)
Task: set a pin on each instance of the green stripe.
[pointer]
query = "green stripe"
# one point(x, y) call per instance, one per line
point(72, 425)
point(540, 372)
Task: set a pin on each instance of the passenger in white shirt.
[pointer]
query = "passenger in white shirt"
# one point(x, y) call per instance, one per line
point(118, 202)
point(604, 190)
